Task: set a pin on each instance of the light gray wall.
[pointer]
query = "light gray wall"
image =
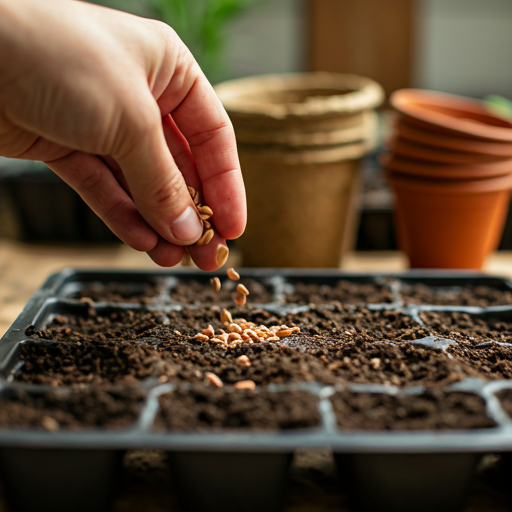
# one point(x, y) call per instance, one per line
point(270, 38)
point(465, 46)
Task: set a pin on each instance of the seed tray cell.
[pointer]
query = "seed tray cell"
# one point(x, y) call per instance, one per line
point(407, 395)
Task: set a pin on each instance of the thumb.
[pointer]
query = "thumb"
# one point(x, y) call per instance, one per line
point(156, 184)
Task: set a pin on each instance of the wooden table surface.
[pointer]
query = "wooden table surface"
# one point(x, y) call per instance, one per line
point(24, 267)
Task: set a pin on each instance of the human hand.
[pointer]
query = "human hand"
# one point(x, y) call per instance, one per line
point(91, 91)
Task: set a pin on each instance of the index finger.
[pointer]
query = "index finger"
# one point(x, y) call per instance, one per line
point(205, 124)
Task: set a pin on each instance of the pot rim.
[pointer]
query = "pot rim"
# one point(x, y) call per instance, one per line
point(449, 187)
point(356, 93)
point(458, 114)
point(450, 142)
point(449, 158)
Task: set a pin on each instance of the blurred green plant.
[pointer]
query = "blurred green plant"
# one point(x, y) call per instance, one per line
point(201, 24)
point(499, 105)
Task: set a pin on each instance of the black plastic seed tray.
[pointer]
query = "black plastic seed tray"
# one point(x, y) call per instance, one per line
point(59, 463)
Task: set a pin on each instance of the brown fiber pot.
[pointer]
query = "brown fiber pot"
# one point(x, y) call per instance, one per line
point(449, 224)
point(300, 142)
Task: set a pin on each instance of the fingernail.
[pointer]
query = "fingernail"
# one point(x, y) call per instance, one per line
point(187, 227)
point(222, 255)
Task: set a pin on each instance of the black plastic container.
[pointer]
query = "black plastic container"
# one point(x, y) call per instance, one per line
point(238, 470)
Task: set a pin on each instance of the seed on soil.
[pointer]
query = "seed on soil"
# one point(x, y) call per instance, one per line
point(201, 337)
point(240, 299)
point(375, 362)
point(163, 379)
point(217, 340)
point(234, 336)
point(209, 331)
point(233, 274)
point(245, 384)
point(222, 255)
point(225, 317)
point(214, 379)
point(206, 238)
point(50, 424)
point(215, 283)
point(243, 361)
point(242, 289)
point(234, 328)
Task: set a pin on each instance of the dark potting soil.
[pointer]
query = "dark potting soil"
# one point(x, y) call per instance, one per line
point(343, 291)
point(466, 328)
point(468, 295)
point(434, 409)
point(72, 409)
point(505, 398)
point(203, 407)
point(190, 291)
point(119, 292)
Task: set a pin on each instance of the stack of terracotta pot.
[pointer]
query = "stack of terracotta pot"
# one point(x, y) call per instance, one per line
point(450, 166)
point(300, 140)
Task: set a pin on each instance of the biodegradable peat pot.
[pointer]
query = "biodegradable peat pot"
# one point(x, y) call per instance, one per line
point(449, 224)
point(301, 206)
point(451, 114)
point(425, 169)
point(300, 141)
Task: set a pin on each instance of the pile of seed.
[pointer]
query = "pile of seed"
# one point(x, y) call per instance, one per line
point(205, 212)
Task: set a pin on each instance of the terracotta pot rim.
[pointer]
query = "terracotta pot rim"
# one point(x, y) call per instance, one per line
point(465, 116)
point(450, 187)
point(251, 95)
point(451, 142)
point(452, 160)
point(431, 170)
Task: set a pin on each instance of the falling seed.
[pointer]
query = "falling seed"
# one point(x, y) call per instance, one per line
point(240, 299)
point(242, 289)
point(243, 361)
point(225, 317)
point(214, 379)
point(215, 284)
point(245, 384)
point(233, 274)
point(222, 255)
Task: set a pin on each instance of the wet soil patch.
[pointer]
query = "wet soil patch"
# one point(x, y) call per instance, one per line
point(205, 408)
point(92, 408)
point(434, 409)
point(346, 292)
point(468, 295)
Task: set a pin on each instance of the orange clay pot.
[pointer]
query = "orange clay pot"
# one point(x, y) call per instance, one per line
point(450, 114)
point(430, 138)
point(449, 224)
point(438, 171)
point(403, 147)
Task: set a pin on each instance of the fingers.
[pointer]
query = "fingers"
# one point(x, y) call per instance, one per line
point(92, 179)
point(166, 254)
point(154, 180)
point(202, 120)
point(212, 256)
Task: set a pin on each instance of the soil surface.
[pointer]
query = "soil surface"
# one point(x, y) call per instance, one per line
point(468, 295)
point(338, 344)
point(91, 408)
point(347, 292)
point(205, 408)
point(434, 409)
point(118, 292)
